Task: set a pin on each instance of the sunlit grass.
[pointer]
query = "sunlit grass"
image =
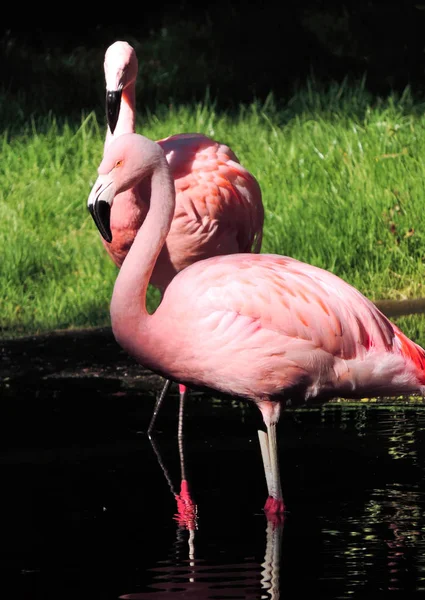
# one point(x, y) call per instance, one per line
point(342, 176)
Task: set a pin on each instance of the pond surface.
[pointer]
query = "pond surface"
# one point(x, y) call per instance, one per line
point(89, 511)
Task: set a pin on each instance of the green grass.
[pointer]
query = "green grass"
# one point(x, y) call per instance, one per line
point(343, 182)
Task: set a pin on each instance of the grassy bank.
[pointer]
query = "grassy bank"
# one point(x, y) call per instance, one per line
point(342, 176)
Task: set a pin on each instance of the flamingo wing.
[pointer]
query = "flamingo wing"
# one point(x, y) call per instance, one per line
point(297, 300)
point(216, 197)
point(261, 324)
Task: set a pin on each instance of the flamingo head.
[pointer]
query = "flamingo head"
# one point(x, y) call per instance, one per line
point(129, 159)
point(120, 67)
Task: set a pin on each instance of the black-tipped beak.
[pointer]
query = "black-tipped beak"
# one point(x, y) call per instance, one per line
point(101, 213)
point(99, 203)
point(113, 104)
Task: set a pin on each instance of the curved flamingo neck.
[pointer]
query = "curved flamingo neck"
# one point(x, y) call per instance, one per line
point(127, 117)
point(128, 304)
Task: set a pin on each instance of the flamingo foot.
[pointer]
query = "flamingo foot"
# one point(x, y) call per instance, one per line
point(275, 510)
point(274, 506)
point(187, 511)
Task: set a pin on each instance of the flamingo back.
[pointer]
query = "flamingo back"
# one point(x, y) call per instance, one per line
point(219, 207)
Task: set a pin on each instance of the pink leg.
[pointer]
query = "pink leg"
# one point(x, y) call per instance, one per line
point(182, 392)
point(274, 506)
point(158, 405)
point(164, 391)
point(187, 509)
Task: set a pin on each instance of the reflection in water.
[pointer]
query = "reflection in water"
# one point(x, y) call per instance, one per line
point(271, 565)
point(388, 534)
point(187, 511)
point(372, 542)
point(193, 577)
point(353, 479)
point(400, 429)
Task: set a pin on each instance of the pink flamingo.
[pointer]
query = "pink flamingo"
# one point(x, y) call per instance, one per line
point(261, 326)
point(219, 207)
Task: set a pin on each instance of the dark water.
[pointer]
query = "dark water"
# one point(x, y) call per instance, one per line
point(87, 511)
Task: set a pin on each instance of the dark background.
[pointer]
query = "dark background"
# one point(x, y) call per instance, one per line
point(237, 50)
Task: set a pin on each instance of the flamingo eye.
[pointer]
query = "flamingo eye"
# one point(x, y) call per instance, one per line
point(119, 163)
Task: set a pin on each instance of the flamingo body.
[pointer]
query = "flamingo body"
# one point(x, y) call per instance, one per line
point(218, 208)
point(271, 327)
point(264, 327)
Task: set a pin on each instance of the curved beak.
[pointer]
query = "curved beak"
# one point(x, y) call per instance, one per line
point(100, 202)
point(113, 104)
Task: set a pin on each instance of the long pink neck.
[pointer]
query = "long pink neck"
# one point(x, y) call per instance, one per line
point(127, 117)
point(128, 304)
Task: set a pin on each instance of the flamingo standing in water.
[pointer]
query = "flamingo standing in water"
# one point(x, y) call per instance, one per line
point(261, 326)
point(219, 207)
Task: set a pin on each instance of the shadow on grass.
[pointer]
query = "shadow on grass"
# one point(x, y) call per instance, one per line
point(88, 359)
